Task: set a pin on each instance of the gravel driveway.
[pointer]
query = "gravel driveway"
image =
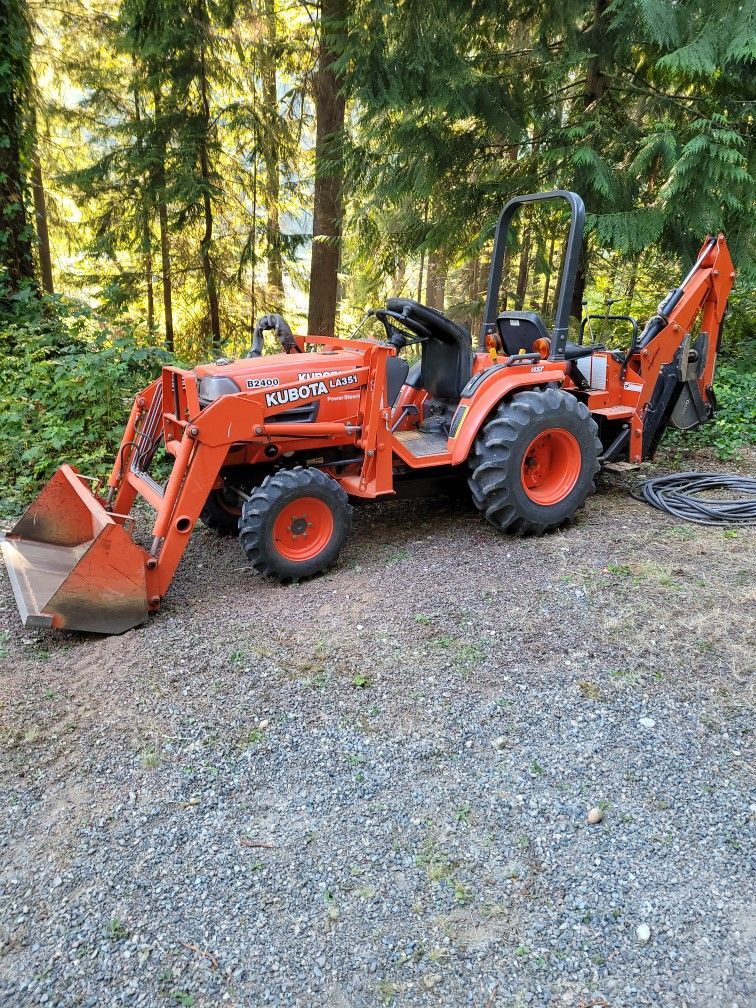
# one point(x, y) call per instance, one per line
point(373, 788)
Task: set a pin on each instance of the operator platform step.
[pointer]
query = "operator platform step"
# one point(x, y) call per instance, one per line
point(423, 443)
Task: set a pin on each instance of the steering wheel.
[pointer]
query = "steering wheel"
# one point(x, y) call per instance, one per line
point(282, 331)
point(408, 332)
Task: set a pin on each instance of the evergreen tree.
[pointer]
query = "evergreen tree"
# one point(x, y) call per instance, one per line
point(328, 199)
point(17, 269)
point(640, 106)
point(174, 40)
point(180, 145)
point(270, 153)
point(39, 199)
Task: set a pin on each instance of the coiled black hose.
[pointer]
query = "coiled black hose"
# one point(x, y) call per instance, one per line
point(680, 495)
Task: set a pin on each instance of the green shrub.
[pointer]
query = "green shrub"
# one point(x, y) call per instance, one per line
point(67, 381)
point(734, 425)
point(735, 422)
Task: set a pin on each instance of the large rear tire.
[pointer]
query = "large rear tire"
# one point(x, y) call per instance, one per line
point(534, 462)
point(294, 524)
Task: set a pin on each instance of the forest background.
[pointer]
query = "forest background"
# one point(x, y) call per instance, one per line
point(170, 170)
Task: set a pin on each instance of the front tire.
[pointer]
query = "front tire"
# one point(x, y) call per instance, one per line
point(294, 524)
point(221, 512)
point(222, 509)
point(534, 462)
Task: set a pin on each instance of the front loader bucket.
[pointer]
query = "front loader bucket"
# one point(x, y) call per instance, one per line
point(72, 565)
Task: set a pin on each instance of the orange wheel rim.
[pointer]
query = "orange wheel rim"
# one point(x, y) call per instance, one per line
point(551, 466)
point(303, 528)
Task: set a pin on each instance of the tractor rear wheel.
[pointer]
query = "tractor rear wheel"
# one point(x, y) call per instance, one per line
point(294, 524)
point(534, 461)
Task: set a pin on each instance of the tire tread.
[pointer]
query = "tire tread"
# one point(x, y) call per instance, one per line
point(275, 490)
point(495, 464)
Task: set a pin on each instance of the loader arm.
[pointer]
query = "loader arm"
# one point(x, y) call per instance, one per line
point(71, 557)
point(671, 367)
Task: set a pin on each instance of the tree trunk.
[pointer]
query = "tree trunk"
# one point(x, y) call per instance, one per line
point(632, 284)
point(165, 265)
point(148, 277)
point(207, 207)
point(328, 196)
point(595, 87)
point(474, 280)
point(430, 281)
point(40, 219)
point(253, 240)
point(578, 291)
point(40, 211)
point(523, 270)
point(146, 231)
point(270, 157)
point(547, 281)
point(435, 285)
point(596, 79)
point(165, 244)
point(17, 264)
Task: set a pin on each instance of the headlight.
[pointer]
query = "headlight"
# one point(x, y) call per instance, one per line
point(213, 388)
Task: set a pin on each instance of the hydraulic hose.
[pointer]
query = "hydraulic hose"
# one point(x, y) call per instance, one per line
point(682, 495)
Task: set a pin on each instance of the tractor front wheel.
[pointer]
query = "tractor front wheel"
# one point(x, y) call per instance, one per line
point(222, 508)
point(294, 524)
point(221, 512)
point(534, 461)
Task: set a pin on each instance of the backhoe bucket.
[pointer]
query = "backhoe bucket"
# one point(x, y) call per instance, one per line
point(72, 565)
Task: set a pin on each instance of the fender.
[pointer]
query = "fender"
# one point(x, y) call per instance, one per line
point(485, 391)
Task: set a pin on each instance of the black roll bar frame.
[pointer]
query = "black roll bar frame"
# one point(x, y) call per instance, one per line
point(569, 274)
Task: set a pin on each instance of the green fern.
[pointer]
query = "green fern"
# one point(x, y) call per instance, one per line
point(696, 60)
point(630, 231)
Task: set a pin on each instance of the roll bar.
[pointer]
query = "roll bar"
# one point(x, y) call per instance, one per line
point(569, 274)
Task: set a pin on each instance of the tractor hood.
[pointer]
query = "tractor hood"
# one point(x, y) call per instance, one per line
point(268, 372)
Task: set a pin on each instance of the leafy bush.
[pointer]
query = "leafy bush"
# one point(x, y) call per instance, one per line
point(735, 422)
point(66, 384)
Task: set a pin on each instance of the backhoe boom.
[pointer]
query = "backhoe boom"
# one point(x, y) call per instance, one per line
point(676, 353)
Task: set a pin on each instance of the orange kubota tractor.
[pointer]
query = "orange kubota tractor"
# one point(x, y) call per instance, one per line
point(276, 446)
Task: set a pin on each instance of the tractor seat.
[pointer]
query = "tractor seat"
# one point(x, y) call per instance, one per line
point(446, 359)
point(575, 351)
point(396, 376)
point(520, 330)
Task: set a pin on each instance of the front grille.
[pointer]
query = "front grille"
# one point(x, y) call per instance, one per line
point(300, 414)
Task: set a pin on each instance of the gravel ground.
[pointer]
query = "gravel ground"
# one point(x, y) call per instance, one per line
point(373, 789)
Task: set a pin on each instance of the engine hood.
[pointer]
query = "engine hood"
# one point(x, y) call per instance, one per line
point(270, 371)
